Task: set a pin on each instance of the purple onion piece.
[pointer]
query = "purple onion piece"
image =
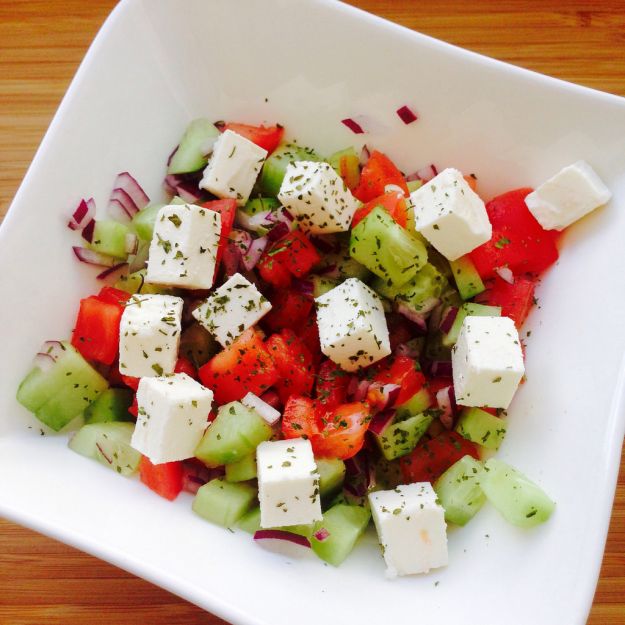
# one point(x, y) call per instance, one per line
point(321, 534)
point(133, 189)
point(448, 319)
point(365, 154)
point(381, 421)
point(441, 368)
point(353, 125)
point(417, 318)
point(361, 391)
point(282, 535)
point(254, 253)
point(85, 211)
point(117, 211)
point(280, 230)
point(43, 361)
point(90, 257)
point(107, 272)
point(406, 115)
point(87, 231)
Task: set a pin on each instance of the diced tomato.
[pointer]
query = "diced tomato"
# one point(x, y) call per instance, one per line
point(294, 364)
point(243, 367)
point(130, 382)
point(298, 418)
point(227, 209)
point(309, 335)
point(184, 365)
point(400, 330)
point(332, 384)
point(113, 296)
point(471, 181)
point(349, 170)
point(273, 272)
point(518, 240)
point(393, 203)
point(134, 407)
point(378, 172)
point(164, 479)
point(341, 431)
point(516, 300)
point(405, 372)
point(295, 252)
point(96, 334)
point(436, 384)
point(289, 310)
point(430, 459)
point(266, 137)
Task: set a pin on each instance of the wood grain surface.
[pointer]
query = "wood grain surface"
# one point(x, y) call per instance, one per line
point(41, 45)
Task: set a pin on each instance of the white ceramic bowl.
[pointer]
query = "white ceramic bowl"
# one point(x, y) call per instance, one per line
point(309, 64)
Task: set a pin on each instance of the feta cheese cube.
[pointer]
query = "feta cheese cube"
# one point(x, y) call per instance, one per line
point(288, 483)
point(352, 326)
point(233, 167)
point(487, 362)
point(568, 196)
point(317, 197)
point(149, 335)
point(411, 528)
point(233, 308)
point(450, 215)
point(184, 246)
point(172, 416)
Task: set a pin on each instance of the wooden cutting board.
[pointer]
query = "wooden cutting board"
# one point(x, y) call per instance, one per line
point(41, 44)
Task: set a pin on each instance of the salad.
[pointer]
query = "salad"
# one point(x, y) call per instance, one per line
point(310, 344)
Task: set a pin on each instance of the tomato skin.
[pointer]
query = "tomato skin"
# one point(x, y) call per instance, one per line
point(274, 272)
point(341, 431)
point(113, 296)
point(404, 371)
point(518, 240)
point(227, 209)
point(289, 310)
point(298, 418)
point(332, 383)
point(400, 330)
point(309, 335)
point(393, 203)
point(295, 252)
point(130, 382)
point(378, 172)
point(164, 479)
point(516, 300)
point(266, 137)
point(184, 365)
point(243, 367)
point(430, 459)
point(134, 407)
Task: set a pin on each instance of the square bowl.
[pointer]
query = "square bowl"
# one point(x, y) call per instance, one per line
point(150, 70)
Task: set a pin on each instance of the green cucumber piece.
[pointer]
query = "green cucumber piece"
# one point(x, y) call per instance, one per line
point(481, 427)
point(234, 434)
point(190, 156)
point(459, 490)
point(135, 283)
point(344, 266)
point(109, 444)
point(399, 438)
point(274, 168)
point(61, 393)
point(388, 474)
point(250, 521)
point(350, 172)
point(379, 243)
point(519, 500)
point(468, 309)
point(417, 404)
point(198, 345)
point(322, 285)
point(331, 475)
point(110, 405)
point(109, 237)
point(413, 185)
point(467, 278)
point(223, 503)
point(243, 470)
point(143, 221)
point(344, 524)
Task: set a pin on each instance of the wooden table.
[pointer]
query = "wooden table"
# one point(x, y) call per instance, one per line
point(41, 44)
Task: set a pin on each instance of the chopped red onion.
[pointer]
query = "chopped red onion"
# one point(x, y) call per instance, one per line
point(267, 412)
point(390, 393)
point(280, 230)
point(253, 254)
point(220, 125)
point(406, 115)
point(83, 214)
point(138, 260)
point(448, 319)
point(381, 421)
point(196, 474)
point(107, 272)
point(321, 534)
point(231, 258)
point(254, 223)
point(122, 197)
point(241, 239)
point(425, 173)
point(446, 401)
point(53, 349)
point(132, 243)
point(43, 361)
point(273, 538)
point(185, 187)
point(505, 273)
point(125, 182)
point(117, 211)
point(356, 465)
point(353, 125)
point(90, 257)
point(272, 398)
point(361, 391)
point(304, 287)
point(352, 386)
point(172, 155)
point(365, 154)
point(416, 318)
point(103, 454)
point(87, 231)
point(441, 368)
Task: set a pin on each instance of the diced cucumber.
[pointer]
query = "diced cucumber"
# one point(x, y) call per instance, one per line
point(109, 237)
point(388, 474)
point(413, 185)
point(379, 243)
point(135, 283)
point(516, 498)
point(322, 285)
point(177, 200)
point(242, 470)
point(190, 153)
point(224, 503)
point(61, 393)
point(467, 278)
point(341, 527)
point(440, 263)
point(109, 444)
point(343, 266)
point(459, 490)
point(331, 475)
point(197, 344)
point(417, 404)
point(234, 434)
point(481, 427)
point(346, 163)
point(400, 437)
point(250, 521)
point(468, 309)
point(274, 168)
point(143, 221)
point(111, 405)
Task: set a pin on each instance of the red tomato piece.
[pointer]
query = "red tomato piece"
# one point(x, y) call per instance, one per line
point(243, 367)
point(295, 252)
point(436, 384)
point(266, 137)
point(273, 272)
point(130, 382)
point(113, 296)
point(341, 431)
point(184, 365)
point(430, 459)
point(164, 479)
point(227, 209)
point(378, 172)
point(518, 240)
point(400, 330)
point(298, 418)
point(349, 170)
point(332, 384)
point(134, 407)
point(289, 310)
point(294, 364)
point(309, 335)
point(393, 203)
point(405, 372)
point(516, 300)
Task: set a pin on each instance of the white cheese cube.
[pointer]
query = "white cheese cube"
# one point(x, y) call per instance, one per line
point(487, 362)
point(411, 528)
point(172, 416)
point(149, 335)
point(568, 196)
point(317, 197)
point(288, 483)
point(233, 308)
point(233, 167)
point(352, 326)
point(450, 215)
point(184, 246)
